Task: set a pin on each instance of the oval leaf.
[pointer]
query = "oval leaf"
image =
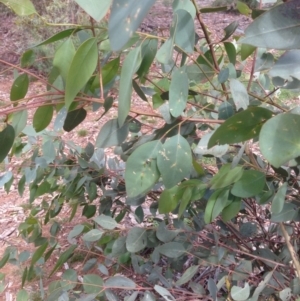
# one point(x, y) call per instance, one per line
point(279, 199)
point(93, 235)
point(239, 94)
point(171, 249)
point(7, 137)
point(42, 117)
point(136, 240)
point(93, 284)
point(106, 222)
point(120, 282)
point(19, 87)
point(74, 118)
point(95, 8)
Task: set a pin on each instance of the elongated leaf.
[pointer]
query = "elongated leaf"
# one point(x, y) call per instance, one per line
point(125, 18)
point(22, 295)
point(186, 5)
point(231, 210)
point(169, 199)
point(39, 253)
point(111, 134)
point(141, 169)
point(250, 184)
point(69, 279)
point(278, 28)
point(74, 118)
point(7, 137)
point(279, 199)
point(187, 275)
point(19, 120)
point(174, 160)
point(239, 94)
point(164, 54)
point(185, 31)
point(240, 127)
point(130, 66)
point(19, 87)
point(179, 91)
point(95, 8)
point(20, 7)
point(171, 249)
point(119, 282)
point(93, 235)
point(110, 70)
point(216, 203)
point(239, 293)
point(82, 67)
point(4, 260)
point(226, 176)
point(63, 58)
point(106, 222)
point(63, 258)
point(164, 234)
point(136, 240)
point(164, 293)
point(229, 30)
point(42, 117)
point(279, 139)
point(59, 36)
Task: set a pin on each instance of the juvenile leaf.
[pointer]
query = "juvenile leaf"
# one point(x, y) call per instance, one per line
point(4, 260)
point(22, 295)
point(125, 18)
point(279, 199)
point(174, 160)
point(278, 28)
point(246, 51)
point(231, 52)
point(111, 134)
point(279, 139)
point(42, 117)
point(21, 8)
point(106, 222)
point(171, 249)
point(239, 94)
point(95, 8)
point(231, 210)
point(187, 275)
point(226, 176)
point(63, 58)
point(226, 109)
point(82, 67)
point(136, 240)
point(39, 253)
point(186, 5)
point(164, 54)
point(69, 279)
point(216, 203)
point(27, 58)
point(119, 282)
point(74, 118)
point(239, 293)
point(229, 30)
point(164, 234)
point(19, 120)
point(241, 127)
point(169, 199)
point(19, 87)
point(141, 169)
point(93, 284)
point(63, 258)
point(179, 90)
point(164, 293)
point(93, 235)
point(110, 70)
point(250, 184)
point(130, 66)
point(7, 137)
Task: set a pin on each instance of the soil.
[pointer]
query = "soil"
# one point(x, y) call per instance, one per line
point(12, 206)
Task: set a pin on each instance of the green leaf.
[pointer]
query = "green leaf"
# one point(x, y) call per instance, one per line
point(246, 51)
point(85, 60)
point(179, 91)
point(278, 28)
point(279, 199)
point(226, 110)
point(169, 199)
point(19, 87)
point(241, 127)
point(24, 276)
point(288, 213)
point(63, 58)
point(185, 200)
point(239, 293)
point(39, 253)
point(18, 121)
point(136, 239)
point(232, 209)
point(164, 54)
point(7, 137)
point(74, 118)
point(248, 229)
point(106, 222)
point(239, 94)
point(174, 160)
point(187, 275)
point(229, 30)
point(186, 5)
point(125, 18)
point(96, 9)
point(164, 234)
point(120, 282)
point(243, 8)
point(111, 134)
point(110, 70)
point(250, 184)
point(42, 117)
point(21, 8)
point(27, 58)
point(93, 284)
point(130, 66)
point(171, 249)
point(63, 258)
point(22, 295)
point(216, 203)
point(92, 235)
point(279, 139)
point(185, 30)
point(59, 36)
point(69, 279)
point(226, 176)
point(164, 293)
point(4, 260)
point(141, 169)
point(231, 52)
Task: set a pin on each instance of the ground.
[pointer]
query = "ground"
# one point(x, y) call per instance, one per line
point(12, 205)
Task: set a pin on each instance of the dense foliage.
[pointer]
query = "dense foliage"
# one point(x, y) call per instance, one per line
point(213, 188)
